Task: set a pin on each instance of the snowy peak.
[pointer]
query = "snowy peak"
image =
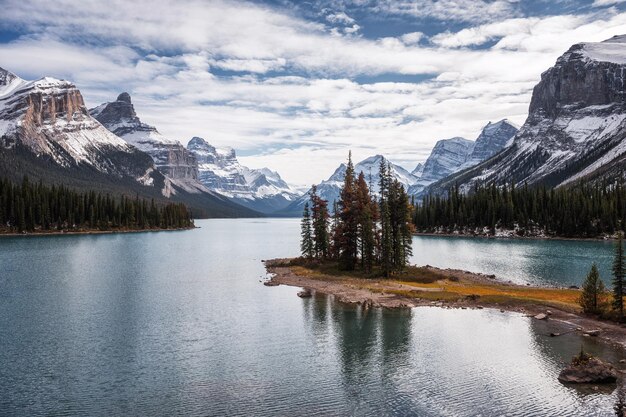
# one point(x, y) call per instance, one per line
point(49, 118)
point(170, 156)
point(220, 171)
point(419, 169)
point(492, 139)
point(611, 50)
point(119, 117)
point(575, 127)
point(446, 157)
point(7, 77)
point(330, 188)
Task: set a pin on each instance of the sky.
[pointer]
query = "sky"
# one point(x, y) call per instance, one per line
point(294, 85)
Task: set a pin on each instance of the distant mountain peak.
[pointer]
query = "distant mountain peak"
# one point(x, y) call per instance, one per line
point(575, 127)
point(220, 171)
point(124, 97)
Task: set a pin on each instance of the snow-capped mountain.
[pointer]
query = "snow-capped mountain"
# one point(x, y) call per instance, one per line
point(329, 189)
point(170, 156)
point(575, 127)
point(492, 139)
point(450, 156)
point(419, 169)
point(48, 119)
point(47, 133)
point(447, 156)
point(220, 171)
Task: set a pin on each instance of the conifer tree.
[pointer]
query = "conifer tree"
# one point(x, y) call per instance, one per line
point(618, 278)
point(349, 217)
point(367, 226)
point(386, 242)
point(593, 296)
point(320, 218)
point(306, 233)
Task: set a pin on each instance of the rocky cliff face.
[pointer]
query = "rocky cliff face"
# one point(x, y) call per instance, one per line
point(48, 117)
point(220, 171)
point(447, 157)
point(170, 156)
point(492, 139)
point(575, 127)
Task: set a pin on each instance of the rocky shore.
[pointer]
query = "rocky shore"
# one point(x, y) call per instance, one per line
point(504, 296)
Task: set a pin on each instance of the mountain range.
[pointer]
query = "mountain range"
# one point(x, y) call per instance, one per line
point(574, 132)
point(447, 157)
point(199, 167)
point(575, 128)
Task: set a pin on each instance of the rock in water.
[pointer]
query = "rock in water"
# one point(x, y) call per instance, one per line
point(588, 370)
point(304, 294)
point(541, 316)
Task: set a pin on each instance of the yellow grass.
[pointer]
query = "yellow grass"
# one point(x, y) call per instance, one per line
point(444, 289)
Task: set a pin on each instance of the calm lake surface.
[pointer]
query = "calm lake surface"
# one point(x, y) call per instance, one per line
point(178, 323)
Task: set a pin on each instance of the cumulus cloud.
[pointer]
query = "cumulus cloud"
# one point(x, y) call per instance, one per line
point(282, 89)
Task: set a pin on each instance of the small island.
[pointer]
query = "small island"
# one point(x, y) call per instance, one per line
point(361, 254)
point(428, 286)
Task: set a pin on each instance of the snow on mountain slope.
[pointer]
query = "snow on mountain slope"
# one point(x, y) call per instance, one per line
point(492, 139)
point(329, 189)
point(220, 171)
point(453, 155)
point(447, 157)
point(170, 156)
point(49, 118)
point(419, 169)
point(575, 127)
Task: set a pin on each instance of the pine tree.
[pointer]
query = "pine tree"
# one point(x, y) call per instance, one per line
point(367, 226)
point(593, 296)
point(306, 243)
point(618, 278)
point(320, 218)
point(348, 228)
point(386, 242)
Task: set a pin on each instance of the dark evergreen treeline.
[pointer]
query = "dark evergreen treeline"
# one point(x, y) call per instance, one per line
point(364, 232)
point(32, 207)
point(579, 211)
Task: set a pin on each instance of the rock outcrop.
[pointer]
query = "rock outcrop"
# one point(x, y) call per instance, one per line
point(170, 156)
point(48, 118)
point(575, 128)
point(450, 156)
point(220, 171)
point(585, 369)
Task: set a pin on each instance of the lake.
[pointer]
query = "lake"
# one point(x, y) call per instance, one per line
point(177, 323)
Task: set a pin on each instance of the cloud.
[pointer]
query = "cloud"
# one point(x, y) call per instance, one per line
point(450, 10)
point(603, 3)
point(282, 90)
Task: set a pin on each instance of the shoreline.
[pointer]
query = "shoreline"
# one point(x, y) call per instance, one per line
point(391, 293)
point(517, 237)
point(91, 232)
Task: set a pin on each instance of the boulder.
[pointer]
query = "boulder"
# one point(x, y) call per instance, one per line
point(304, 294)
point(586, 369)
point(593, 333)
point(541, 316)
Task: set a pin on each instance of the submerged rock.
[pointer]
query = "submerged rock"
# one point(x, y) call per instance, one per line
point(586, 369)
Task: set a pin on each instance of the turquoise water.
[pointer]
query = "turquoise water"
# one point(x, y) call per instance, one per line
point(534, 261)
point(178, 323)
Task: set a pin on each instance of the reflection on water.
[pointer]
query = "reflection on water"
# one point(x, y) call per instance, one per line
point(429, 361)
point(555, 262)
point(178, 323)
